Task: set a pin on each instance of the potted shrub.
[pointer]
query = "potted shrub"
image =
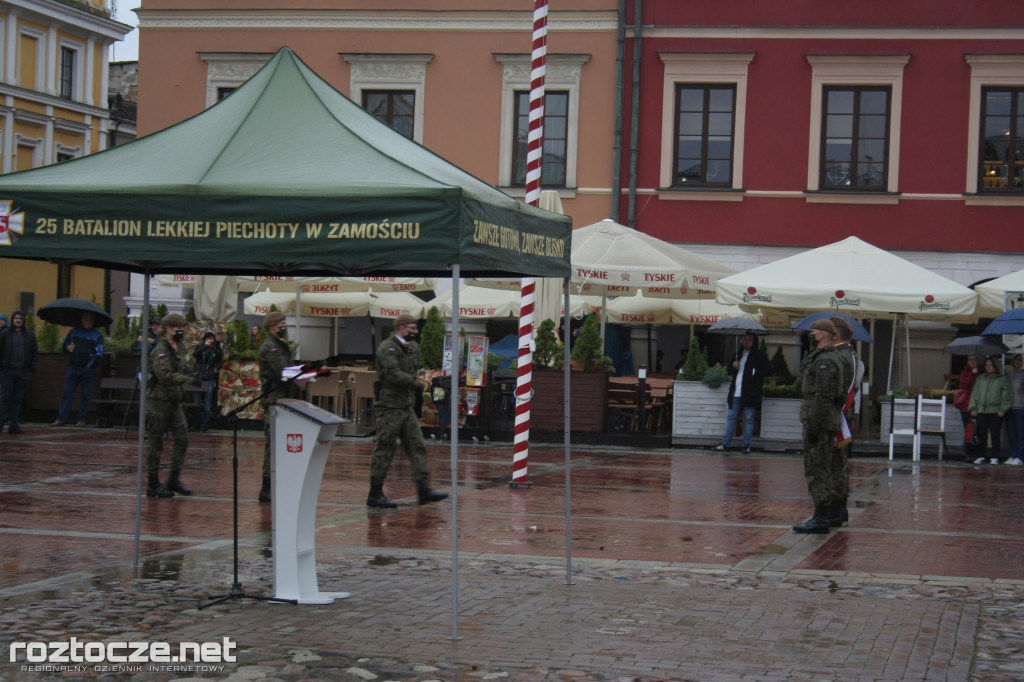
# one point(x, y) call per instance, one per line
point(588, 383)
point(698, 406)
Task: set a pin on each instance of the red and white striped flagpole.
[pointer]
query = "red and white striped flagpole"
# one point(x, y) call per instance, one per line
point(534, 163)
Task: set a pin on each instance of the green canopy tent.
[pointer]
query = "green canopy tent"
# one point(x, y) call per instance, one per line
point(285, 176)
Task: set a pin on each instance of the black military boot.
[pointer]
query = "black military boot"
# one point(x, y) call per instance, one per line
point(156, 489)
point(817, 524)
point(835, 513)
point(265, 490)
point(844, 510)
point(427, 495)
point(175, 485)
point(377, 498)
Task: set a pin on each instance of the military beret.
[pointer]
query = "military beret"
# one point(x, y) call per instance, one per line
point(841, 323)
point(174, 320)
point(825, 326)
point(405, 318)
point(273, 317)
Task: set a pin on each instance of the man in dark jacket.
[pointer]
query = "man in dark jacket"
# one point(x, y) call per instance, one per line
point(84, 346)
point(748, 368)
point(397, 364)
point(209, 357)
point(19, 356)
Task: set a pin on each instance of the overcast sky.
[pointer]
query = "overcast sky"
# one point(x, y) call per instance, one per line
point(126, 50)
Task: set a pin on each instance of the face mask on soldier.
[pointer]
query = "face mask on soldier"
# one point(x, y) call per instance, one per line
point(179, 335)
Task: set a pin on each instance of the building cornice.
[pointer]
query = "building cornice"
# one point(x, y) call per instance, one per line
point(71, 17)
point(50, 100)
point(835, 32)
point(378, 20)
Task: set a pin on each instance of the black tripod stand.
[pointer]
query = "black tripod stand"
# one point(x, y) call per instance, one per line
point(236, 591)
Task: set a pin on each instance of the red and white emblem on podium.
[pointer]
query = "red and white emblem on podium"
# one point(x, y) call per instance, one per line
point(294, 441)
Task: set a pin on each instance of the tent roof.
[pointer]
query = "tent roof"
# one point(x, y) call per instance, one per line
point(284, 175)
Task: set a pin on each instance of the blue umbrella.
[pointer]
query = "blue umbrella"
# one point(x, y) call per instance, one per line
point(1010, 322)
point(860, 332)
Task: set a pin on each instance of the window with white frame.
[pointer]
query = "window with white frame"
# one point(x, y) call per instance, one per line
point(704, 102)
point(995, 144)
point(389, 85)
point(396, 108)
point(70, 75)
point(225, 71)
point(856, 105)
point(561, 119)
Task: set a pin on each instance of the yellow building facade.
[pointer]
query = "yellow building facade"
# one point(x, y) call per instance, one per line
point(54, 58)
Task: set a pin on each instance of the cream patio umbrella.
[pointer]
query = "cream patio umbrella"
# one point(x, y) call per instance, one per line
point(992, 295)
point(481, 303)
point(388, 305)
point(856, 278)
point(641, 309)
point(853, 277)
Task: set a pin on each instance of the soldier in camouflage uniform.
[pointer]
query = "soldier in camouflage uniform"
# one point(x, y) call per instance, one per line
point(823, 398)
point(397, 363)
point(168, 369)
point(274, 355)
point(838, 513)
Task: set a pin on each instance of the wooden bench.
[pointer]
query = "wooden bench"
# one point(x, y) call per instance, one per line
point(116, 396)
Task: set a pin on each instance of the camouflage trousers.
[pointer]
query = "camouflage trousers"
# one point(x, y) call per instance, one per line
point(842, 474)
point(161, 416)
point(394, 425)
point(821, 465)
point(266, 438)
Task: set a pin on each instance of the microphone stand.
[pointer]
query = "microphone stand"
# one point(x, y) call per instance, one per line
point(236, 591)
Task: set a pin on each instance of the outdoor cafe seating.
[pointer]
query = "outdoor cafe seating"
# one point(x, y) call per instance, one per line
point(624, 403)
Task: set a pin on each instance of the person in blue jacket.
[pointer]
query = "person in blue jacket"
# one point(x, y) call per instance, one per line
point(84, 346)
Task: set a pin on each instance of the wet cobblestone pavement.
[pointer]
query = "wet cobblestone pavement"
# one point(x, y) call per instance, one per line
point(684, 568)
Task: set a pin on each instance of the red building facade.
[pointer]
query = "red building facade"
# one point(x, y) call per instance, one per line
point(800, 123)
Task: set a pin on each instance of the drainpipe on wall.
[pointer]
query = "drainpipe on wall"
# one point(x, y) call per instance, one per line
point(635, 116)
point(620, 66)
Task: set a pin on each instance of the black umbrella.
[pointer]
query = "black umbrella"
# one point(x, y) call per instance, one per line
point(975, 345)
point(68, 312)
point(860, 333)
point(737, 326)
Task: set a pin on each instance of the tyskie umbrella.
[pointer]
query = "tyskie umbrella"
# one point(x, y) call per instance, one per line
point(975, 345)
point(860, 333)
point(1010, 322)
point(737, 326)
point(67, 312)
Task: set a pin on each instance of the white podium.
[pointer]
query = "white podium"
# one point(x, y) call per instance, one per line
point(301, 435)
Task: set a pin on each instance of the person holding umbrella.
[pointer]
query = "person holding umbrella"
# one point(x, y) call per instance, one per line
point(990, 400)
point(1015, 417)
point(19, 355)
point(84, 346)
point(749, 367)
point(168, 365)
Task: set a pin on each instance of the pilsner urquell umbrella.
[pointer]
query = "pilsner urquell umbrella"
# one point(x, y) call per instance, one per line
point(68, 312)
